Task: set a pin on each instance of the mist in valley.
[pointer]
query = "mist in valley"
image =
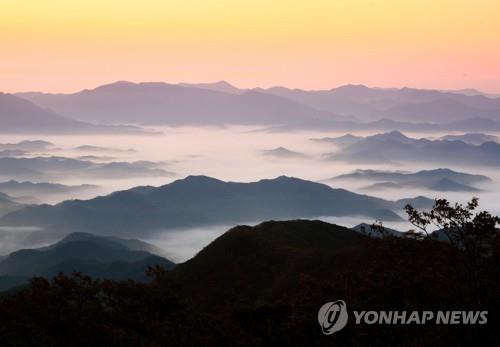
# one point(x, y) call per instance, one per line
point(228, 153)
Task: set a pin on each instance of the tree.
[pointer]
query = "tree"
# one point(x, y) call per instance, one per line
point(474, 240)
point(474, 232)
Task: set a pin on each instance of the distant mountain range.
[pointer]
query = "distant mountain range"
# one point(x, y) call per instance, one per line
point(344, 140)
point(222, 103)
point(100, 149)
point(448, 185)
point(396, 147)
point(28, 146)
point(8, 204)
point(375, 103)
point(202, 201)
point(50, 168)
point(384, 124)
point(472, 138)
point(282, 152)
point(18, 115)
point(438, 180)
point(6, 201)
point(42, 190)
point(98, 256)
point(437, 111)
point(472, 92)
point(220, 86)
point(162, 103)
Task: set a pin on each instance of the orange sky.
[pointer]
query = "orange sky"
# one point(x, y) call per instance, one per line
point(61, 45)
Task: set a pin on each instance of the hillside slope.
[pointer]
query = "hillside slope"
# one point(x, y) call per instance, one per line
point(265, 262)
point(203, 201)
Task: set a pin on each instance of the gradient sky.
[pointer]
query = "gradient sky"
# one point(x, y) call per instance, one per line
point(62, 46)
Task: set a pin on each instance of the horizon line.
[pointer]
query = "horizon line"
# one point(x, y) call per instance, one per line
point(193, 84)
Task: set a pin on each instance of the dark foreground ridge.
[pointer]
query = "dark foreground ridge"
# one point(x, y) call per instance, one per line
point(264, 285)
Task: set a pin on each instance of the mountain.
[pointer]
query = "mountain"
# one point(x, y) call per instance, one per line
point(43, 190)
point(162, 103)
point(266, 262)
point(472, 92)
point(12, 153)
point(472, 138)
point(18, 115)
point(420, 203)
point(472, 124)
point(373, 103)
point(372, 231)
point(344, 140)
point(448, 185)
point(103, 257)
point(393, 136)
point(344, 100)
point(429, 176)
point(384, 124)
point(443, 185)
point(438, 179)
point(222, 103)
point(282, 152)
point(28, 146)
point(112, 241)
point(202, 201)
point(50, 168)
point(395, 147)
point(264, 286)
point(8, 204)
point(91, 148)
point(384, 185)
point(437, 111)
point(221, 86)
point(6, 201)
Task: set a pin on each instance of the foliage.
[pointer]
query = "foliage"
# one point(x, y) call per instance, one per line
point(388, 273)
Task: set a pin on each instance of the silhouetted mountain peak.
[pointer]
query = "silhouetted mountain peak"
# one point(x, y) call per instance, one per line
point(352, 87)
point(117, 84)
point(284, 178)
point(223, 83)
point(490, 146)
point(282, 152)
point(199, 179)
point(394, 135)
point(219, 86)
point(6, 200)
point(99, 256)
point(122, 86)
point(202, 200)
point(447, 184)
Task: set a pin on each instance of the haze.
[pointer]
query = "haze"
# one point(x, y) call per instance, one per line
point(98, 97)
point(232, 154)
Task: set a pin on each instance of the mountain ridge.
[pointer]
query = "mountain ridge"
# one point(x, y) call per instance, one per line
point(104, 257)
point(19, 115)
point(174, 104)
point(202, 200)
point(220, 101)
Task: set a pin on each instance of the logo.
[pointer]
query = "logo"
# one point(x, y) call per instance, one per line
point(332, 316)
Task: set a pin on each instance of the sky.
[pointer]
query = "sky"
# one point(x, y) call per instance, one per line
point(65, 46)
